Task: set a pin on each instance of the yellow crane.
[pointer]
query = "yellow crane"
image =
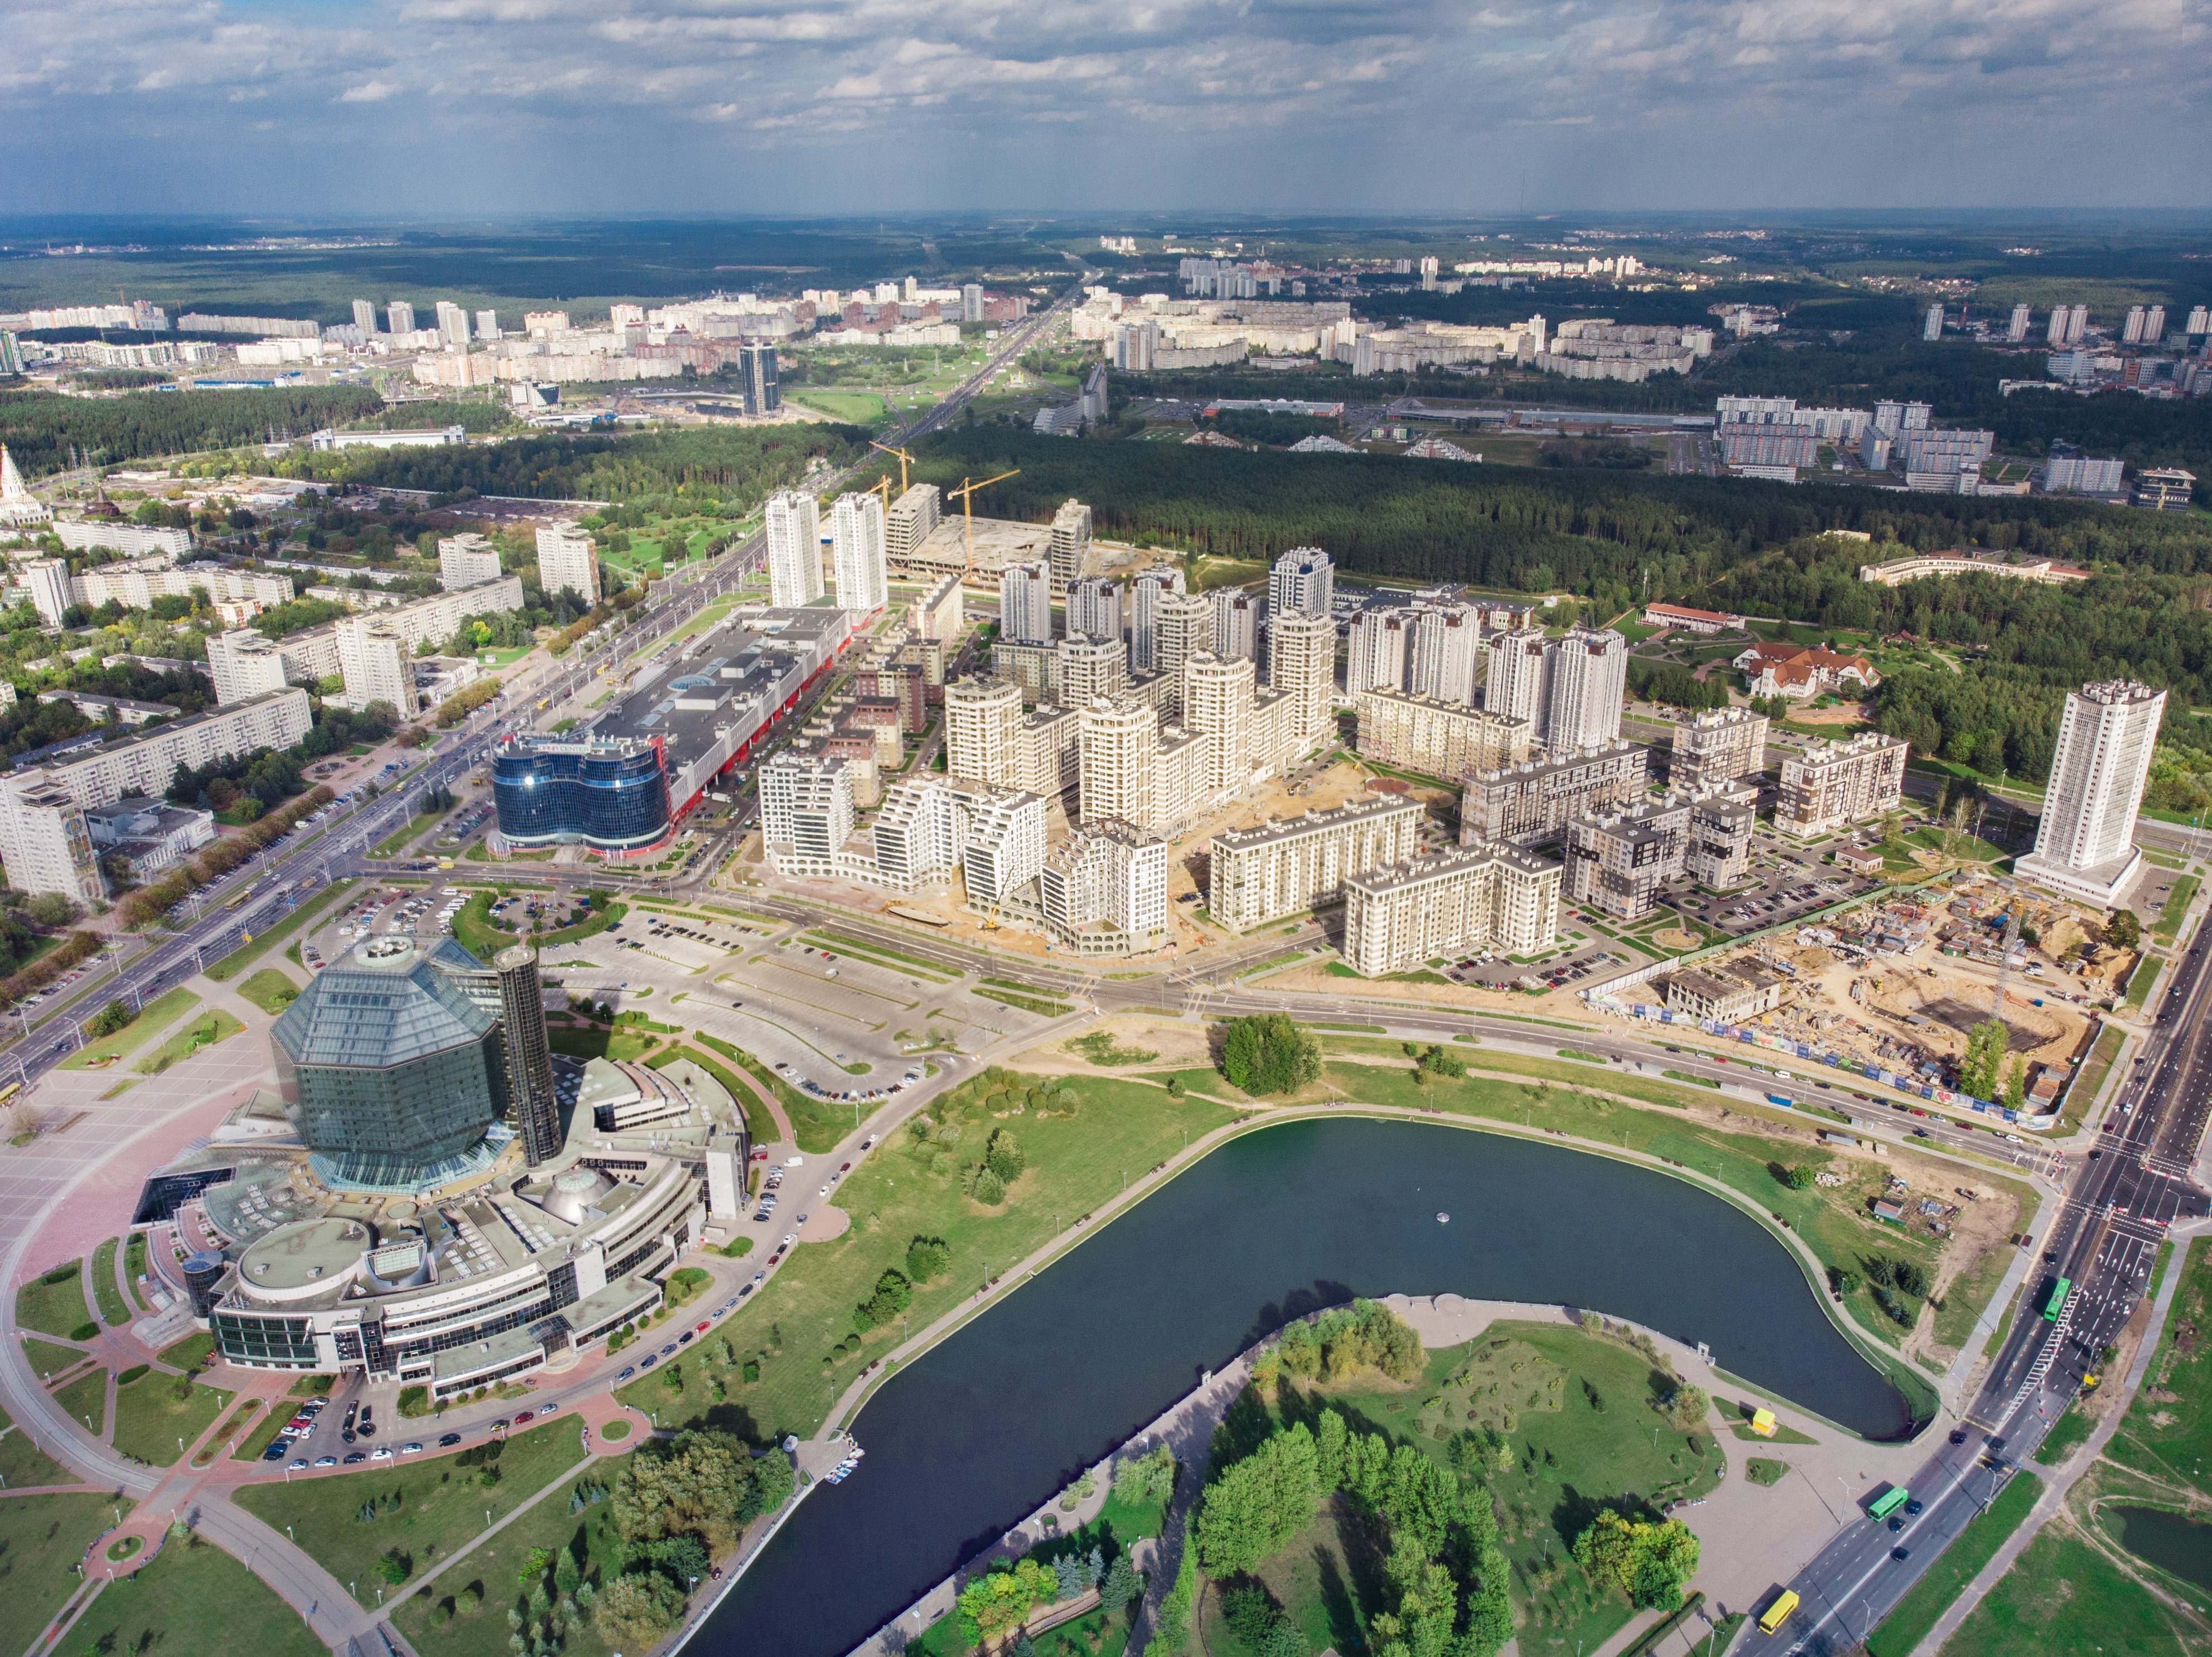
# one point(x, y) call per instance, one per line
point(881, 486)
point(966, 495)
point(904, 460)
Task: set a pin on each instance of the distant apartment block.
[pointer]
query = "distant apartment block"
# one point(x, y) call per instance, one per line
point(1530, 802)
point(1296, 865)
point(1920, 567)
point(1831, 786)
point(1439, 738)
point(1475, 901)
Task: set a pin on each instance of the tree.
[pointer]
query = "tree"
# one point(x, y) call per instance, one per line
point(928, 1258)
point(1120, 1585)
point(1647, 1561)
point(2014, 1096)
point(1139, 1479)
point(990, 1189)
point(637, 1610)
point(1003, 1157)
point(706, 1482)
point(1000, 1600)
point(1982, 1066)
point(892, 1294)
point(1267, 1054)
point(2123, 930)
point(1259, 1503)
point(1688, 1407)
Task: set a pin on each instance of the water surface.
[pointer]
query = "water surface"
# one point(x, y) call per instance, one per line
point(2171, 1541)
point(987, 1426)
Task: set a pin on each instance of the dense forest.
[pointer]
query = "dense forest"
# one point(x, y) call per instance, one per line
point(38, 427)
point(2011, 651)
point(732, 466)
point(1603, 533)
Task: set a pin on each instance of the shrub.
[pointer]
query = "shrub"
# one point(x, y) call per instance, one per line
point(414, 1401)
point(1004, 1157)
point(990, 1189)
point(928, 1258)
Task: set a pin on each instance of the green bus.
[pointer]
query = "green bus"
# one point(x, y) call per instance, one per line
point(2056, 1303)
point(1889, 1502)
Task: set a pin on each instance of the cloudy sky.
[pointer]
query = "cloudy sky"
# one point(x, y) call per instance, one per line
point(791, 105)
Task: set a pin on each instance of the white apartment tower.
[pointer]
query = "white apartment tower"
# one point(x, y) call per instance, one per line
point(1237, 621)
point(244, 662)
point(1447, 653)
point(1519, 678)
point(401, 317)
point(983, 729)
point(1182, 625)
point(1589, 684)
point(856, 539)
point(364, 318)
point(374, 661)
point(1378, 652)
point(1115, 752)
point(1091, 667)
point(1094, 607)
point(1146, 592)
point(1217, 700)
point(1302, 579)
point(1071, 542)
point(1025, 605)
point(794, 549)
point(2018, 331)
point(1302, 665)
point(2085, 842)
point(453, 322)
point(467, 560)
point(566, 561)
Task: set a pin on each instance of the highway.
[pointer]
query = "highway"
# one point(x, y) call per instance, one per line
point(2105, 1238)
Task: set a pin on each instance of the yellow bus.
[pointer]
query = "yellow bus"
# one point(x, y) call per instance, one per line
point(1777, 1614)
point(10, 1092)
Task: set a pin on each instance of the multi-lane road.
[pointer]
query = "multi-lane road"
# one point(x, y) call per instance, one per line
point(2122, 1197)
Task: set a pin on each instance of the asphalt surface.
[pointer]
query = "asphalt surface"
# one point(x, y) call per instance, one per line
point(2122, 1197)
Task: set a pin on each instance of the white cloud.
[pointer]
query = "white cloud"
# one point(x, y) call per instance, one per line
point(1270, 91)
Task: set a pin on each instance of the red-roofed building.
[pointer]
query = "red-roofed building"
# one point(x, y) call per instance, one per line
point(1691, 621)
point(1799, 672)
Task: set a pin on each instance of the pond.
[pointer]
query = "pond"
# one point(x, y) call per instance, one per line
point(985, 1426)
point(2171, 1541)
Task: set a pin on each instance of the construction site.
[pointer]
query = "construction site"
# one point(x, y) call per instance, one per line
point(1899, 986)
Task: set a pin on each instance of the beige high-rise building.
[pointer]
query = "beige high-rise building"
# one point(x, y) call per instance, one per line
point(1298, 863)
point(1217, 701)
point(567, 562)
point(856, 540)
point(1302, 665)
point(1104, 890)
point(1051, 750)
point(907, 524)
point(1438, 739)
point(1477, 901)
point(1119, 747)
point(1831, 786)
point(1237, 621)
point(244, 664)
point(1070, 544)
point(1378, 652)
point(1182, 625)
point(466, 561)
point(1091, 668)
point(374, 660)
point(1587, 672)
point(1447, 653)
point(1520, 676)
point(794, 522)
point(982, 730)
point(1720, 746)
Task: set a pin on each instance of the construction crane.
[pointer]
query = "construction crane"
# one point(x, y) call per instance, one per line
point(966, 495)
point(881, 486)
point(904, 460)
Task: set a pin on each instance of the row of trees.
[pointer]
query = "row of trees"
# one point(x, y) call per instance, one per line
point(39, 427)
point(675, 1504)
point(1345, 1340)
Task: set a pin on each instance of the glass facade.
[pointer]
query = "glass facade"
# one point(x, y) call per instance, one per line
point(613, 796)
point(386, 1065)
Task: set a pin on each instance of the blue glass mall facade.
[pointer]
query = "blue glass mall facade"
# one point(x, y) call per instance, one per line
point(612, 795)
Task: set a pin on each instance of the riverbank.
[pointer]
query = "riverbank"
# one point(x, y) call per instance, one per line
point(1747, 1529)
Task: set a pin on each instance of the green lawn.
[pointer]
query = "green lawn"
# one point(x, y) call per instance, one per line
point(106, 1292)
point(1598, 1445)
point(741, 1095)
point(45, 1358)
point(54, 1302)
point(2141, 981)
point(86, 1398)
point(41, 1540)
point(2082, 1092)
point(245, 954)
point(270, 991)
point(156, 1016)
point(855, 408)
point(1909, 1621)
point(195, 1037)
point(149, 1417)
point(2175, 1450)
point(2071, 1430)
point(813, 1122)
point(261, 1434)
point(392, 843)
point(1075, 1163)
point(2176, 905)
point(2064, 1598)
point(432, 1618)
point(882, 952)
point(192, 1595)
point(23, 1463)
point(440, 1506)
point(134, 1267)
